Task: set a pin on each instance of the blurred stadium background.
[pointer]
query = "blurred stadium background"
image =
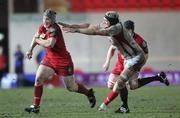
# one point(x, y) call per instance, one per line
point(157, 21)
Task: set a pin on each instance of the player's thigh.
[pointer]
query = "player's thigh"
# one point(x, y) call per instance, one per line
point(112, 80)
point(126, 74)
point(118, 68)
point(123, 78)
point(44, 72)
point(135, 63)
point(133, 82)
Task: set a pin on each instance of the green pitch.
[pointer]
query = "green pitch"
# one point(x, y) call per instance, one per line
point(147, 102)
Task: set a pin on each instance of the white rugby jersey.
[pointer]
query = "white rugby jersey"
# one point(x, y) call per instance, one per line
point(122, 40)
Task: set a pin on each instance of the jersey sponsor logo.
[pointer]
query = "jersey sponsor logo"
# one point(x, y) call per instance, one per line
point(42, 36)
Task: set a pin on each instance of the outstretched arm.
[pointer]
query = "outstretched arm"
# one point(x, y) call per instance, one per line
point(81, 25)
point(91, 30)
point(109, 56)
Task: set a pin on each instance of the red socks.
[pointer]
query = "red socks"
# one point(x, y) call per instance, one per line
point(111, 96)
point(38, 90)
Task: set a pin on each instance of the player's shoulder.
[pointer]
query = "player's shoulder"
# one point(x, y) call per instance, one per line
point(53, 30)
point(114, 29)
point(41, 28)
point(138, 36)
point(116, 26)
point(140, 40)
point(55, 27)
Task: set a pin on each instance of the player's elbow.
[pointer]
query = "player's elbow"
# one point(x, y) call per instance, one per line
point(47, 45)
point(92, 33)
point(86, 25)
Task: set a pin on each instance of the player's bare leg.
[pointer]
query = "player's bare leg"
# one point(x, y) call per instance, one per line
point(71, 85)
point(137, 83)
point(120, 86)
point(111, 95)
point(140, 82)
point(42, 74)
point(124, 98)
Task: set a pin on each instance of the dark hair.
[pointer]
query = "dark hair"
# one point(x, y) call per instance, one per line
point(112, 17)
point(129, 25)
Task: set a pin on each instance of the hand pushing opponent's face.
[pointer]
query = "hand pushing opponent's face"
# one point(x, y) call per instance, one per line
point(106, 23)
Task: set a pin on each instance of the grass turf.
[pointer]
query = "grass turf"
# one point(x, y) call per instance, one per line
point(147, 102)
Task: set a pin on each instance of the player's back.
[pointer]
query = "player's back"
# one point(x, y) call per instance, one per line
point(125, 43)
point(141, 42)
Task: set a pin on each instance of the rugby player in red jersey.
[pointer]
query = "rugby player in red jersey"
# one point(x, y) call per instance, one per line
point(56, 61)
point(132, 53)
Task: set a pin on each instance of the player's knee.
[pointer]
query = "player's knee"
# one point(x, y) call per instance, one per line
point(39, 81)
point(121, 84)
point(122, 81)
point(133, 85)
point(110, 85)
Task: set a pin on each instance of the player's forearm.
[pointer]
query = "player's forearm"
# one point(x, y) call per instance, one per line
point(109, 57)
point(92, 30)
point(33, 44)
point(64, 24)
point(44, 43)
point(86, 31)
point(110, 54)
point(82, 25)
